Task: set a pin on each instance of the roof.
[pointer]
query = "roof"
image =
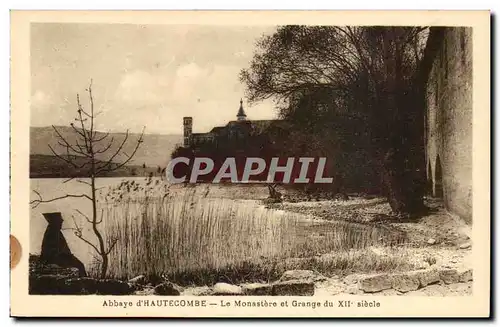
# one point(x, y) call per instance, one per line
point(217, 129)
point(258, 125)
point(262, 125)
point(209, 134)
point(241, 112)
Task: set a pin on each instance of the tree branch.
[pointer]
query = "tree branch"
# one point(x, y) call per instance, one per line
point(78, 131)
point(92, 133)
point(113, 243)
point(107, 167)
point(37, 202)
point(80, 236)
point(105, 148)
point(67, 145)
point(84, 215)
point(102, 138)
point(78, 233)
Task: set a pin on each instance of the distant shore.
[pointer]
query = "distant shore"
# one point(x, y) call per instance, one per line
point(49, 166)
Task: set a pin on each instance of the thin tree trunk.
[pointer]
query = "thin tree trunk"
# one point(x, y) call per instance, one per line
point(102, 250)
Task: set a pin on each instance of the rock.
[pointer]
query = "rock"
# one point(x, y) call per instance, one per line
point(302, 275)
point(294, 287)
point(52, 269)
point(449, 276)
point(353, 289)
point(405, 282)
point(257, 289)
point(329, 287)
point(227, 289)
point(47, 284)
point(113, 287)
point(427, 277)
point(167, 288)
point(351, 279)
point(38, 267)
point(465, 275)
point(431, 241)
point(198, 291)
point(154, 280)
point(138, 280)
point(465, 246)
point(375, 283)
point(55, 284)
point(148, 291)
point(78, 286)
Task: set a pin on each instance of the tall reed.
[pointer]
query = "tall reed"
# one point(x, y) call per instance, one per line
point(173, 234)
point(179, 234)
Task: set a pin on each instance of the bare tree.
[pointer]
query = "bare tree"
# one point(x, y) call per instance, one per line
point(87, 153)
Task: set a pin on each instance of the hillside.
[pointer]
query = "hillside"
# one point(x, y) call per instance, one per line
point(154, 151)
point(46, 166)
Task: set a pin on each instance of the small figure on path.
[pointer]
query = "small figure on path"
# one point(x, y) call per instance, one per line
point(55, 249)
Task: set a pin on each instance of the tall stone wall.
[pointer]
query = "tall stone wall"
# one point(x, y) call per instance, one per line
point(449, 122)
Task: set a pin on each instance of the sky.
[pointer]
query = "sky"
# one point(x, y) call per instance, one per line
point(142, 75)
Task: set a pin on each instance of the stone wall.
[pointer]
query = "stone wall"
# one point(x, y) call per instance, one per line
point(449, 122)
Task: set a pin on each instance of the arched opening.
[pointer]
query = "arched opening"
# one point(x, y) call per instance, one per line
point(438, 180)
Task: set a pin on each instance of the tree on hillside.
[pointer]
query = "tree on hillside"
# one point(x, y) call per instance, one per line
point(89, 145)
point(371, 73)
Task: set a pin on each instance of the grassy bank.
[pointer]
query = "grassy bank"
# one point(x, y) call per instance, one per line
point(341, 263)
point(199, 240)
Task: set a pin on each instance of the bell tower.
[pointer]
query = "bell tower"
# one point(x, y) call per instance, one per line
point(241, 113)
point(188, 130)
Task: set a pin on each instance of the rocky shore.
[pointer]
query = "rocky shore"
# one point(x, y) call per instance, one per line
point(51, 280)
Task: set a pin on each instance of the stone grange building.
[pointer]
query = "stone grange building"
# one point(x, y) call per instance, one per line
point(448, 125)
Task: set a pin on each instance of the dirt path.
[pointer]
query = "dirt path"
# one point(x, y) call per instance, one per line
point(437, 229)
point(437, 240)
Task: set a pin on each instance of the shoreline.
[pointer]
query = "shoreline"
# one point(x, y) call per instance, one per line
point(425, 247)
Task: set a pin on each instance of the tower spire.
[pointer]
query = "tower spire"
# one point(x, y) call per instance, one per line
point(241, 113)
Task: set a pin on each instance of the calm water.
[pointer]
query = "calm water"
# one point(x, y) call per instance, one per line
point(50, 188)
point(301, 231)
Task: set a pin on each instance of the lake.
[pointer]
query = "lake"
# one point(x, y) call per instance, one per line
point(175, 229)
point(50, 188)
point(121, 202)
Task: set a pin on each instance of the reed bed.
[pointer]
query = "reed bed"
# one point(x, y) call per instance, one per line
point(162, 236)
point(195, 239)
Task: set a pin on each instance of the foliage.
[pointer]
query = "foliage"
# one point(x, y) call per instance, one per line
point(320, 75)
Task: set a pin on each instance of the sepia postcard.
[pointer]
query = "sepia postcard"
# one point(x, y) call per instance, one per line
point(250, 164)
